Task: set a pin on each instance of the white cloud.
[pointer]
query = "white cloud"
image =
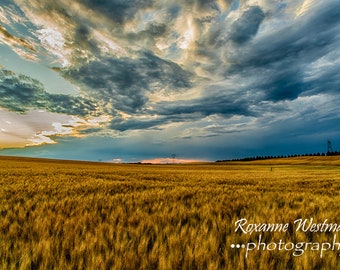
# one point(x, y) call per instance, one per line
point(51, 38)
point(8, 16)
point(116, 160)
point(3, 17)
point(108, 44)
point(53, 41)
point(39, 127)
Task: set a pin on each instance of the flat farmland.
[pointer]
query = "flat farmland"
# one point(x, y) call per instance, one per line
point(82, 215)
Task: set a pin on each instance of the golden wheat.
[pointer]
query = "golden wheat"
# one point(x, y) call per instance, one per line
point(74, 215)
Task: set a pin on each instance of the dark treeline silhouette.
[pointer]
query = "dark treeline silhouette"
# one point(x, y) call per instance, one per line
point(329, 153)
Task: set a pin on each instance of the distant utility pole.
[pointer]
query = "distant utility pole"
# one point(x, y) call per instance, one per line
point(329, 147)
point(173, 156)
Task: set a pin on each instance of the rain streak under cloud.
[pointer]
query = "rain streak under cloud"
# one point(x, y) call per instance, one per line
point(144, 80)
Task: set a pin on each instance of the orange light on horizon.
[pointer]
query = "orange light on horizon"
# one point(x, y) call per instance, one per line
point(172, 161)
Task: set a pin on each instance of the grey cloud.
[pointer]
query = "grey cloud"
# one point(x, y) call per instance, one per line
point(156, 29)
point(220, 104)
point(223, 103)
point(151, 122)
point(71, 105)
point(214, 102)
point(153, 30)
point(119, 11)
point(88, 131)
point(283, 84)
point(247, 25)
point(20, 93)
point(203, 5)
point(307, 42)
point(164, 26)
point(133, 124)
point(173, 11)
point(149, 35)
point(279, 60)
point(83, 38)
point(124, 82)
point(328, 80)
point(275, 64)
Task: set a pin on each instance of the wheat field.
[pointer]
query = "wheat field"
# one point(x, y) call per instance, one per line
point(81, 215)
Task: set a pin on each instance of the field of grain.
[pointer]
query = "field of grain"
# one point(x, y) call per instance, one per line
point(77, 215)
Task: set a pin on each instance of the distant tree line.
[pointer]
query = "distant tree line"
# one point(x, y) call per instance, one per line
point(329, 153)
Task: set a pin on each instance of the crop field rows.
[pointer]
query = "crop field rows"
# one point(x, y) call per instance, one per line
point(79, 215)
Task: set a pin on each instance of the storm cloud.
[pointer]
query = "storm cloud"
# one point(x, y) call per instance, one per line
point(119, 11)
point(284, 61)
point(20, 93)
point(124, 83)
point(247, 25)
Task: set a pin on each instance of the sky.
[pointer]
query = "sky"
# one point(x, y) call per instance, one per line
point(144, 80)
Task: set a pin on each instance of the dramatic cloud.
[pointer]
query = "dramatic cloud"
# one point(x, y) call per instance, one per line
point(118, 10)
point(214, 71)
point(21, 93)
point(282, 59)
point(37, 127)
point(247, 25)
point(123, 83)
